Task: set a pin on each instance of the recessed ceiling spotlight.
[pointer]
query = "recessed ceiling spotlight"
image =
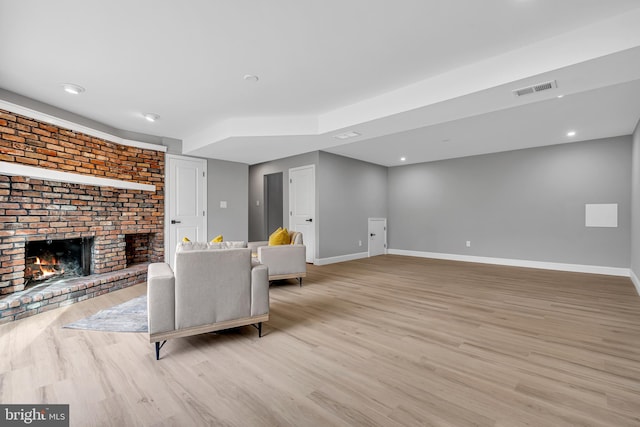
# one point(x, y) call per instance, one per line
point(72, 88)
point(347, 135)
point(151, 117)
point(560, 96)
point(403, 159)
point(571, 133)
point(251, 78)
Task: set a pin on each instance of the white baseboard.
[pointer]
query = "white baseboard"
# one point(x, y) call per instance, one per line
point(576, 268)
point(341, 258)
point(635, 280)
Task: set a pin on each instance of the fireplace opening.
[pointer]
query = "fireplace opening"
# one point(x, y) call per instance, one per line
point(48, 260)
point(137, 248)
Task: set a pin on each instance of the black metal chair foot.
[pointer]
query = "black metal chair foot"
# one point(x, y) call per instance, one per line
point(158, 347)
point(258, 326)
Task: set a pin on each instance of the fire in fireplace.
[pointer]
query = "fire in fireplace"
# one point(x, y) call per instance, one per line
point(42, 269)
point(57, 259)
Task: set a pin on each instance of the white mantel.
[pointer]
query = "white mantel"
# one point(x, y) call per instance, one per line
point(7, 168)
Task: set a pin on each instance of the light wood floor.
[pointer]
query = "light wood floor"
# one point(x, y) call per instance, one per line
point(385, 341)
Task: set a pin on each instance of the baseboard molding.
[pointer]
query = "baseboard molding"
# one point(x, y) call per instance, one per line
point(341, 258)
point(576, 268)
point(635, 281)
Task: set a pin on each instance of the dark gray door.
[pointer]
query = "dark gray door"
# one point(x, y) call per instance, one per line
point(272, 203)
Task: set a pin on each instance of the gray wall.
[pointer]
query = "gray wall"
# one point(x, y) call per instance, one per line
point(635, 204)
point(349, 192)
point(227, 181)
point(256, 191)
point(526, 204)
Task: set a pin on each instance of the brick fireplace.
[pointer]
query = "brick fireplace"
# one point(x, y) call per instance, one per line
point(125, 225)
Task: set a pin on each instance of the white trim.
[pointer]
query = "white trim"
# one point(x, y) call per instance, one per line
point(577, 268)
point(16, 169)
point(140, 144)
point(635, 280)
point(341, 258)
point(43, 117)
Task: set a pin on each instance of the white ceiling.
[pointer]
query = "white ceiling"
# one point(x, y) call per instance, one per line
point(427, 80)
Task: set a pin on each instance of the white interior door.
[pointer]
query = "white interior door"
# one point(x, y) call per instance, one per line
point(302, 206)
point(377, 236)
point(185, 206)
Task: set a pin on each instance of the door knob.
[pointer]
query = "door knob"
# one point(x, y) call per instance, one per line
point(372, 234)
point(173, 221)
point(309, 220)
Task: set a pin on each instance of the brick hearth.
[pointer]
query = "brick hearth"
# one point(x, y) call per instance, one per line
point(40, 209)
point(45, 297)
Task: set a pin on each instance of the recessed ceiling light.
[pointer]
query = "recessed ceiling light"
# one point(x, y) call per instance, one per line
point(571, 133)
point(72, 88)
point(251, 78)
point(403, 159)
point(560, 96)
point(151, 117)
point(347, 135)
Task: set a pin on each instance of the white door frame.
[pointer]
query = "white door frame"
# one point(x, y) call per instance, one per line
point(384, 221)
point(167, 202)
point(311, 243)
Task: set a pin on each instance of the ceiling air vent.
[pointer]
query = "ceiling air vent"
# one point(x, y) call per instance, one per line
point(539, 87)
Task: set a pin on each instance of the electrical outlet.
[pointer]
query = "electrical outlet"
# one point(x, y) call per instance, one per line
point(468, 243)
point(359, 242)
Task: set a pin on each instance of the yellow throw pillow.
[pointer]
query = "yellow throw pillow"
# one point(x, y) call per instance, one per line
point(279, 237)
point(185, 240)
point(273, 237)
point(217, 239)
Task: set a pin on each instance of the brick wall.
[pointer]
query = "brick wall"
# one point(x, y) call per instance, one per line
point(35, 209)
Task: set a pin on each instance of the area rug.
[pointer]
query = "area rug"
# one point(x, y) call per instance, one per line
point(130, 316)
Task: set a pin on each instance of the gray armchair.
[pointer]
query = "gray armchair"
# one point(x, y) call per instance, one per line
point(211, 289)
point(284, 261)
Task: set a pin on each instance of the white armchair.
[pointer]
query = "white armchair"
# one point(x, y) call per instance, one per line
point(211, 289)
point(283, 261)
